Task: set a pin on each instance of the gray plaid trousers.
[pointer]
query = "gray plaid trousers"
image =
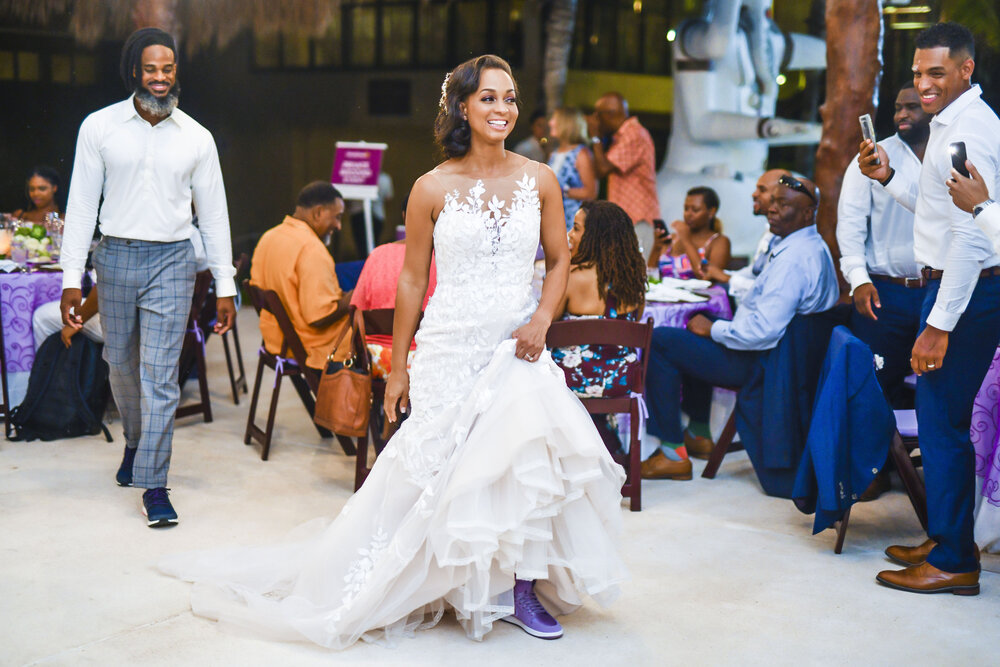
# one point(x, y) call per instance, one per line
point(144, 293)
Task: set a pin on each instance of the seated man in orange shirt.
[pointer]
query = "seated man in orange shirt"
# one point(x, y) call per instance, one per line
point(292, 259)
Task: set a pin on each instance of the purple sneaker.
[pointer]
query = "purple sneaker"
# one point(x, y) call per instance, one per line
point(530, 615)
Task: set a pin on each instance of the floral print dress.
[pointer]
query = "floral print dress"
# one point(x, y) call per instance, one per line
point(599, 371)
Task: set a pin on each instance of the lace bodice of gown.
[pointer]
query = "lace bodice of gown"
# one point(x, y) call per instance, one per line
point(485, 239)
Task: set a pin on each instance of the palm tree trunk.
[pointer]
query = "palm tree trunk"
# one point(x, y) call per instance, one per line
point(854, 63)
point(558, 45)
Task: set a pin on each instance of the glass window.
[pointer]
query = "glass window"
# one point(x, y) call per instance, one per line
point(508, 30)
point(629, 37)
point(84, 69)
point(432, 39)
point(362, 52)
point(267, 50)
point(328, 49)
point(62, 68)
point(600, 33)
point(7, 69)
point(28, 67)
point(472, 30)
point(656, 48)
point(295, 50)
point(397, 35)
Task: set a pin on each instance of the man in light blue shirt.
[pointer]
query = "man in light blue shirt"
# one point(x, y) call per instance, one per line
point(798, 278)
point(875, 235)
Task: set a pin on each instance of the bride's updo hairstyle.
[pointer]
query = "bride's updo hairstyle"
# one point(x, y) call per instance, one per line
point(452, 133)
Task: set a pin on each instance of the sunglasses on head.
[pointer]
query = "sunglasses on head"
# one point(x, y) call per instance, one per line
point(798, 186)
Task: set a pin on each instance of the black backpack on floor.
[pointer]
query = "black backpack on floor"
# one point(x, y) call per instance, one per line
point(68, 392)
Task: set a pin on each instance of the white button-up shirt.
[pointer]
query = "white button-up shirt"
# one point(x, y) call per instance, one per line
point(149, 176)
point(944, 236)
point(874, 231)
point(989, 221)
point(798, 279)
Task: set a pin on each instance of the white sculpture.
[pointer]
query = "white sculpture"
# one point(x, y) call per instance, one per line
point(726, 66)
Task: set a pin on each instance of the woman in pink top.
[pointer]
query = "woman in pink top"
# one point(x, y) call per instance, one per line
point(376, 288)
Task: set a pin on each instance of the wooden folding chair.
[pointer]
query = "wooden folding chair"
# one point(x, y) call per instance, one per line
point(723, 445)
point(901, 448)
point(193, 351)
point(237, 383)
point(306, 383)
point(614, 332)
point(377, 322)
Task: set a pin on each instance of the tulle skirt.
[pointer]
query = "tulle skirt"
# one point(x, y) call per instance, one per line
point(514, 479)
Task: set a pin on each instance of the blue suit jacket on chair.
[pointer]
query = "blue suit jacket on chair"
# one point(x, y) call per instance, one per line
point(849, 437)
point(774, 409)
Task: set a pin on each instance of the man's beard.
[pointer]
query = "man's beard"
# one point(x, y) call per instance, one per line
point(159, 107)
point(916, 134)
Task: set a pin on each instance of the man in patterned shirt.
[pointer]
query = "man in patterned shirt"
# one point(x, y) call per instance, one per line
point(629, 162)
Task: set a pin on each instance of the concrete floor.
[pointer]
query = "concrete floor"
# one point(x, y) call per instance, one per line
point(722, 574)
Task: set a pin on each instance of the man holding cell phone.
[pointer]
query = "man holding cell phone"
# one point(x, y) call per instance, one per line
point(875, 236)
point(960, 317)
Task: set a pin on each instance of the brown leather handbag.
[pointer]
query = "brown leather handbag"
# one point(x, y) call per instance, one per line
point(344, 397)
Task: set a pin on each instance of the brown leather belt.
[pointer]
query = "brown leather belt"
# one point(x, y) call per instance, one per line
point(935, 274)
point(905, 282)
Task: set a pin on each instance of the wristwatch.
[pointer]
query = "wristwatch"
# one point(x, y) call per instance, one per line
point(979, 209)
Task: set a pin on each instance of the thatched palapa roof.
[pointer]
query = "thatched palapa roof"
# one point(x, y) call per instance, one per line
point(198, 23)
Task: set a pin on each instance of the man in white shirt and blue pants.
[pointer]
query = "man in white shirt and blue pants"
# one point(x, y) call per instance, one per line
point(961, 314)
point(151, 162)
point(875, 235)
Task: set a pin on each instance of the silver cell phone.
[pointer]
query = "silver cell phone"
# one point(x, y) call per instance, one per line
point(868, 132)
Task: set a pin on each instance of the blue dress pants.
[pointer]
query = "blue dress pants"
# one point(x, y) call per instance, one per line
point(678, 358)
point(944, 413)
point(892, 335)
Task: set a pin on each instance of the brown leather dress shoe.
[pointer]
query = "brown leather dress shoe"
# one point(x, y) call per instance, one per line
point(698, 446)
point(925, 578)
point(658, 466)
point(914, 555)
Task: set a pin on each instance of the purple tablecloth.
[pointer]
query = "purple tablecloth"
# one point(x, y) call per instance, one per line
point(678, 314)
point(985, 416)
point(20, 295)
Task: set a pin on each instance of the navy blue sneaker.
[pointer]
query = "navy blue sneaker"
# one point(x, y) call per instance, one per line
point(157, 508)
point(124, 476)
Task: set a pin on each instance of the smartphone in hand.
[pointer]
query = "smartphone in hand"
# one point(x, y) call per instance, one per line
point(660, 225)
point(958, 157)
point(868, 132)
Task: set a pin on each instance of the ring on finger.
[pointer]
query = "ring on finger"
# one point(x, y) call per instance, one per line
point(930, 366)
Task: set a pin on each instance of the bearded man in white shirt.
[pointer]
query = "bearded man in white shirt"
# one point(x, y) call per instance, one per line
point(961, 313)
point(875, 235)
point(151, 162)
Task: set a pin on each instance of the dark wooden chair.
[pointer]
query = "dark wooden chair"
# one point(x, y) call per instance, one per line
point(614, 332)
point(193, 350)
point(377, 322)
point(290, 362)
point(901, 450)
point(723, 445)
point(237, 383)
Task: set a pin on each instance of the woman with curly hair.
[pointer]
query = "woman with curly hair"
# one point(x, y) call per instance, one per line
point(607, 279)
point(498, 477)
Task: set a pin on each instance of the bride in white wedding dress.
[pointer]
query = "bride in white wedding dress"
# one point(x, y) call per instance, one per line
point(498, 480)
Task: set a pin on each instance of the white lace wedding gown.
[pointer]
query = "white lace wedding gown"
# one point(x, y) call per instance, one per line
point(499, 470)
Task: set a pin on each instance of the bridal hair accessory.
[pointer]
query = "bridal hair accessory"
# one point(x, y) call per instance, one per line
point(443, 102)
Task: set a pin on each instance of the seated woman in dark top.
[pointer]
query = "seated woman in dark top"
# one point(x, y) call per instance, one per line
point(41, 188)
point(607, 279)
